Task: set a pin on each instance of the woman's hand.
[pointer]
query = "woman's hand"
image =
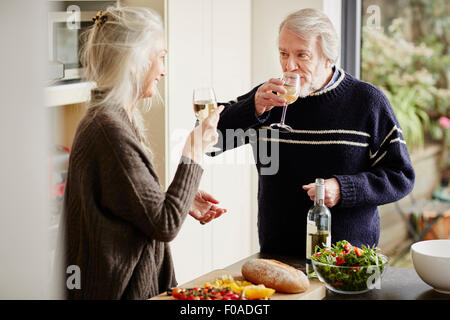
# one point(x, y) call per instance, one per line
point(204, 209)
point(203, 136)
point(332, 192)
point(265, 99)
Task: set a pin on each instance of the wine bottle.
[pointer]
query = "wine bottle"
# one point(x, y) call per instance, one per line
point(318, 226)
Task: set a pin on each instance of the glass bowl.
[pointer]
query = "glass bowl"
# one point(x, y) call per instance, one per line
point(351, 280)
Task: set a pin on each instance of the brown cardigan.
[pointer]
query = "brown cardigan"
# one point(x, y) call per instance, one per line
point(117, 221)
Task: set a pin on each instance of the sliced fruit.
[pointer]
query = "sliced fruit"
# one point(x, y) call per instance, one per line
point(257, 292)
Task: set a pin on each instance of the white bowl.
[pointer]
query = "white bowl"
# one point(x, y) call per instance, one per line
point(431, 260)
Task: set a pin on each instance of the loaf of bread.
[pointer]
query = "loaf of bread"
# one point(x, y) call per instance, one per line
point(276, 275)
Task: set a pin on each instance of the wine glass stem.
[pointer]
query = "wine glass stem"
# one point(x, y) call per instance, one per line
point(283, 115)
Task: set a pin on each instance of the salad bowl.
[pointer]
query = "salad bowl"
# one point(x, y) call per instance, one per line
point(347, 269)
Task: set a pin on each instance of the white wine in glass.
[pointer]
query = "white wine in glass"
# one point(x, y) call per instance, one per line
point(203, 108)
point(205, 102)
point(292, 86)
point(291, 94)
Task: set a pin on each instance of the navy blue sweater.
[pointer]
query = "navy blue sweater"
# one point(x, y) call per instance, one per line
point(347, 131)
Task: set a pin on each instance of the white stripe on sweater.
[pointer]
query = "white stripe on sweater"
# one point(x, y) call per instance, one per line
point(388, 135)
point(381, 157)
point(398, 140)
point(392, 141)
point(312, 142)
point(339, 131)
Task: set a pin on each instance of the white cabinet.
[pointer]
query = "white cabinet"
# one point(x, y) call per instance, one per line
point(72, 93)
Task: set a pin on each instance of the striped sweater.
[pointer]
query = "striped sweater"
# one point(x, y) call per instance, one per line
point(347, 131)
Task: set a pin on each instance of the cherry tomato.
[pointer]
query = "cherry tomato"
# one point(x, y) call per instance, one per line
point(235, 296)
point(347, 247)
point(179, 293)
point(359, 252)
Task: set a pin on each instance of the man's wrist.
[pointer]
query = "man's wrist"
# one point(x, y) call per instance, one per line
point(259, 111)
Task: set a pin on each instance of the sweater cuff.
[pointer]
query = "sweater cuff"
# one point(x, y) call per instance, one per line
point(188, 176)
point(348, 191)
point(187, 160)
point(250, 113)
point(263, 118)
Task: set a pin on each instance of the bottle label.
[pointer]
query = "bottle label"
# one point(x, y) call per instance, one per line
point(311, 229)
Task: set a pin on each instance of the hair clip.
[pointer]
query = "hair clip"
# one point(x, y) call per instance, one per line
point(99, 18)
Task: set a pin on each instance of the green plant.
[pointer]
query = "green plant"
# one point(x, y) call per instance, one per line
point(408, 74)
point(411, 117)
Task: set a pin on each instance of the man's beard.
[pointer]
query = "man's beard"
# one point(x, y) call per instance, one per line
point(307, 87)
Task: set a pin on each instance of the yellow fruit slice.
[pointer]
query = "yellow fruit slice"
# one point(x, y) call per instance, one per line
point(251, 291)
point(258, 292)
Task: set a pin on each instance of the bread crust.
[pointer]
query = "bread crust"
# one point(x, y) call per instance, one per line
point(276, 275)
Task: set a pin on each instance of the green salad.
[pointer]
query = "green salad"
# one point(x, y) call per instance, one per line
point(348, 268)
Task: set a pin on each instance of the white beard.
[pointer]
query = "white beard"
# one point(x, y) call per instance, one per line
point(307, 88)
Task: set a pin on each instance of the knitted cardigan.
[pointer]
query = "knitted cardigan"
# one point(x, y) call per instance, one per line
point(347, 131)
point(117, 221)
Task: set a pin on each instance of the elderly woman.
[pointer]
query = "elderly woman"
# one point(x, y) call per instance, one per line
point(117, 220)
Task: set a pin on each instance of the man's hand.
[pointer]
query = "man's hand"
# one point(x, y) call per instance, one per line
point(204, 209)
point(265, 99)
point(332, 192)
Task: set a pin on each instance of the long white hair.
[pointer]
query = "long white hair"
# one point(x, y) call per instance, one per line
point(116, 56)
point(307, 23)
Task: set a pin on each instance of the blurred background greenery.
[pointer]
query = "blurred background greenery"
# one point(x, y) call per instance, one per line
point(407, 55)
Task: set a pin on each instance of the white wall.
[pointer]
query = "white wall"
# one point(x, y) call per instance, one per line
point(232, 237)
point(24, 210)
point(332, 9)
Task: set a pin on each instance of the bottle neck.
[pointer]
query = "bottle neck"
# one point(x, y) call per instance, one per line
point(320, 194)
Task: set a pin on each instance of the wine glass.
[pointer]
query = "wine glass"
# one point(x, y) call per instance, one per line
point(292, 86)
point(205, 102)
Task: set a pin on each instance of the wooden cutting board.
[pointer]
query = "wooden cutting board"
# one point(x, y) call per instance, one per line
point(316, 289)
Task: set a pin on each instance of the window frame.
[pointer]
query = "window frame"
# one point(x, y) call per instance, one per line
point(351, 16)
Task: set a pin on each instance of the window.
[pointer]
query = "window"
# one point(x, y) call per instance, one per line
point(405, 51)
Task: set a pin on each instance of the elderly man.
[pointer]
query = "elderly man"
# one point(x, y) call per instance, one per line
point(344, 130)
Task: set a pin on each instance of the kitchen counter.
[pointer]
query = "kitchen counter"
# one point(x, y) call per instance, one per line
point(316, 290)
point(396, 284)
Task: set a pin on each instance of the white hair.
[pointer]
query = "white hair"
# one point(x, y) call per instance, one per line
point(310, 23)
point(116, 56)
